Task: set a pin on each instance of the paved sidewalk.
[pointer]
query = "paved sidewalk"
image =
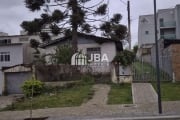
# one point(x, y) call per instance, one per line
point(100, 96)
point(6, 100)
point(143, 93)
point(96, 108)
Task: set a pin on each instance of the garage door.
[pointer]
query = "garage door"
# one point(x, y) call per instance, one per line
point(14, 81)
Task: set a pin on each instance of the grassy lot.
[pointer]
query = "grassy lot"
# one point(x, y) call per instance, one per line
point(169, 91)
point(120, 94)
point(148, 72)
point(66, 97)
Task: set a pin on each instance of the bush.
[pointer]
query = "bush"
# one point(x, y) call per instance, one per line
point(125, 57)
point(37, 86)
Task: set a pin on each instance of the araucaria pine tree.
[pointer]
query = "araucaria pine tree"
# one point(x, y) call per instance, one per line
point(69, 17)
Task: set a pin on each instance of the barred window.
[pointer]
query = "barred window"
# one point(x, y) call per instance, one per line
point(94, 50)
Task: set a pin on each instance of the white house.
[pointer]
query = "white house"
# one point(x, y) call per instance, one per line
point(88, 44)
point(11, 55)
point(14, 50)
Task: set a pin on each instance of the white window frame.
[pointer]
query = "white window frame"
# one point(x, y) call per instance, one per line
point(5, 57)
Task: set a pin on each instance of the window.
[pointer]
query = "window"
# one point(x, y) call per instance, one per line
point(23, 39)
point(4, 56)
point(146, 32)
point(5, 41)
point(95, 50)
point(161, 21)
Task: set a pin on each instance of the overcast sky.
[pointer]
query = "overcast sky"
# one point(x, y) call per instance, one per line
point(13, 12)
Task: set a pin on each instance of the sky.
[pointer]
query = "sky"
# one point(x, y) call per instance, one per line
point(13, 12)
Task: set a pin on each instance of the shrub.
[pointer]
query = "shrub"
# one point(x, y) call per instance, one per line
point(62, 55)
point(125, 57)
point(32, 87)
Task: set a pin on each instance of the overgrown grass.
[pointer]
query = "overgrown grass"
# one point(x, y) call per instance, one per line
point(74, 96)
point(148, 72)
point(169, 91)
point(120, 94)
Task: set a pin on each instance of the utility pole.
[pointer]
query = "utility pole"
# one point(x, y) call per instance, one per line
point(129, 24)
point(157, 61)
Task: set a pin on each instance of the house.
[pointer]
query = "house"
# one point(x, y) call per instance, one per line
point(168, 26)
point(88, 44)
point(14, 50)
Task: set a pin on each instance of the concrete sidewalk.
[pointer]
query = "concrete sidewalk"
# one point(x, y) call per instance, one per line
point(143, 93)
point(96, 108)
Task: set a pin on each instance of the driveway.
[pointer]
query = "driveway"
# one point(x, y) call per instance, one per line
point(6, 100)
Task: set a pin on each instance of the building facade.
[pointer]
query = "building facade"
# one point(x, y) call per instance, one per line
point(14, 50)
point(168, 27)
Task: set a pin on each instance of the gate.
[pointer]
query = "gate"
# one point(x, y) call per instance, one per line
point(146, 72)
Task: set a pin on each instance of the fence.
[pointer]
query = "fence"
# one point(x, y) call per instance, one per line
point(147, 72)
point(56, 73)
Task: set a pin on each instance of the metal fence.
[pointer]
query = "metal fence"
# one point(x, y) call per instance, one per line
point(144, 71)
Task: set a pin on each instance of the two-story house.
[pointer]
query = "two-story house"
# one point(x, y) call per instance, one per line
point(14, 50)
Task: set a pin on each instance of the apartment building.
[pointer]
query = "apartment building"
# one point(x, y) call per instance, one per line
point(168, 27)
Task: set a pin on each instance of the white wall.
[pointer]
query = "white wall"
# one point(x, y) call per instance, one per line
point(106, 48)
point(16, 57)
point(146, 23)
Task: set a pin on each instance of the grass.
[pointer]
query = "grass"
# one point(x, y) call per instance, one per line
point(169, 91)
point(148, 72)
point(120, 94)
point(74, 96)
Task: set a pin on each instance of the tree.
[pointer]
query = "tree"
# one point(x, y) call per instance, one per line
point(62, 55)
point(135, 49)
point(125, 57)
point(72, 16)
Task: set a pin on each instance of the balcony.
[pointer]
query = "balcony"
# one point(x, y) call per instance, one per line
point(171, 24)
point(168, 36)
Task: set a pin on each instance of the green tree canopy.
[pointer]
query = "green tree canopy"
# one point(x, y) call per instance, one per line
point(72, 16)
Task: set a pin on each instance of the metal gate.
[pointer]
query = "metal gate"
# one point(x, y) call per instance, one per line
point(146, 72)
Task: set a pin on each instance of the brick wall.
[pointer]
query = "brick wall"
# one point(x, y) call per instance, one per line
point(176, 60)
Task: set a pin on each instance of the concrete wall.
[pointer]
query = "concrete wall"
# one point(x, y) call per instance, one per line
point(146, 23)
point(177, 18)
point(108, 48)
point(122, 78)
point(16, 54)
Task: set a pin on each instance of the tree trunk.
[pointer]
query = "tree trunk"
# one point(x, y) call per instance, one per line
point(74, 27)
point(74, 39)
